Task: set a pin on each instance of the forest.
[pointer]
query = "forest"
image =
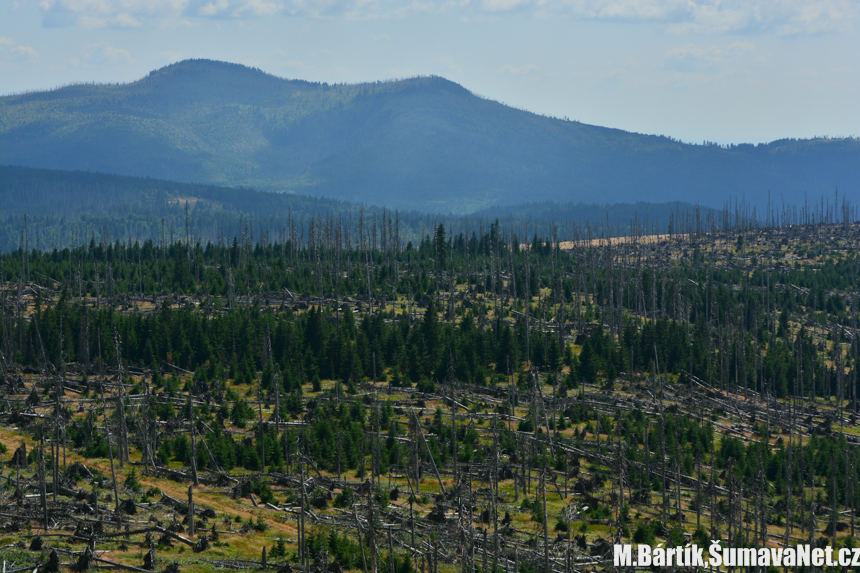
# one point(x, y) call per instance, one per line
point(68, 208)
point(473, 398)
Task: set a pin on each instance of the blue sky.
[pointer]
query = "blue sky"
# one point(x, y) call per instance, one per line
point(728, 71)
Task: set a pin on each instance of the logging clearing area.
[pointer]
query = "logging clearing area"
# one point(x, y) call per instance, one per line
point(487, 401)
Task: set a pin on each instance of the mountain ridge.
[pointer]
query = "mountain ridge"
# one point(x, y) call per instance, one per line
point(422, 143)
point(67, 206)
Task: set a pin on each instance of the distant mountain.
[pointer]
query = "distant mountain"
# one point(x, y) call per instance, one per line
point(69, 207)
point(422, 143)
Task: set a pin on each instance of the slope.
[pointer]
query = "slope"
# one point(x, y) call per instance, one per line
point(421, 143)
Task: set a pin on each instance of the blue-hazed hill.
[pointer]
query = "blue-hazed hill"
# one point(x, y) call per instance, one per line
point(422, 143)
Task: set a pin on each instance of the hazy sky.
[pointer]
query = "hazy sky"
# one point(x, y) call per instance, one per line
point(717, 70)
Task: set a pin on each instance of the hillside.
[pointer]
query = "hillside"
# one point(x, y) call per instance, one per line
point(65, 207)
point(422, 143)
point(462, 406)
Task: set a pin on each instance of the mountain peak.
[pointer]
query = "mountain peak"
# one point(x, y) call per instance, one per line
point(202, 65)
point(198, 70)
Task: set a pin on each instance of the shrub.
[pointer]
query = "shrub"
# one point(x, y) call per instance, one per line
point(279, 549)
point(263, 491)
point(260, 524)
point(382, 497)
point(240, 413)
point(644, 534)
point(131, 481)
point(319, 499)
point(344, 498)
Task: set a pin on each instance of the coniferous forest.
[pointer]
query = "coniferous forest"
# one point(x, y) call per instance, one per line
point(483, 398)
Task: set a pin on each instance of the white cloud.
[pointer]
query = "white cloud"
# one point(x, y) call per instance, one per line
point(701, 16)
point(415, 7)
point(11, 50)
point(233, 8)
point(108, 13)
point(677, 16)
point(503, 5)
point(104, 55)
point(625, 9)
point(692, 58)
point(24, 53)
point(833, 15)
point(776, 16)
point(137, 13)
point(213, 8)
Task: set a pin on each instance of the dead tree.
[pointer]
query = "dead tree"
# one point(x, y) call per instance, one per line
point(123, 431)
point(110, 452)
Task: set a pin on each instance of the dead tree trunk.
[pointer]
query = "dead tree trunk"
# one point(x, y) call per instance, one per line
point(191, 510)
point(43, 498)
point(112, 469)
point(360, 544)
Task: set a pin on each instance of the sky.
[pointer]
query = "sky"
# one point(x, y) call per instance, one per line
point(725, 71)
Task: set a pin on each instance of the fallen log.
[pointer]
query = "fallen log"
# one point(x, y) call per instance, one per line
point(121, 566)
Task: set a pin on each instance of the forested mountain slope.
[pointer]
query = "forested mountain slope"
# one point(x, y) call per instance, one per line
point(67, 207)
point(421, 143)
